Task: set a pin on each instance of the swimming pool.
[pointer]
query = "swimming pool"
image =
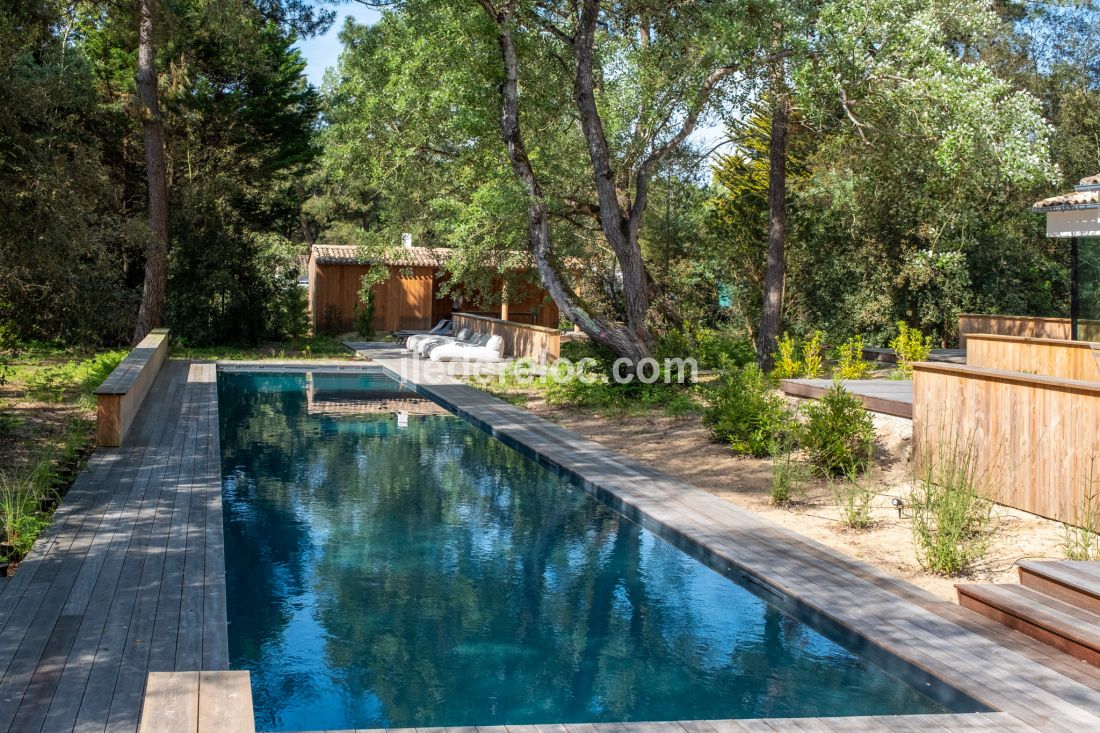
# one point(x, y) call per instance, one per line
point(389, 564)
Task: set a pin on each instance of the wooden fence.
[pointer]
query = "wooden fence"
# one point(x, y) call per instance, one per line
point(520, 339)
point(1049, 357)
point(1033, 438)
point(122, 392)
point(1047, 328)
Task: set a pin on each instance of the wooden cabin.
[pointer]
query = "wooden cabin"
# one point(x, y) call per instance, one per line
point(411, 298)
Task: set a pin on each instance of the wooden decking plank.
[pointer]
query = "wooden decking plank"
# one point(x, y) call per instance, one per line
point(39, 627)
point(225, 702)
point(215, 623)
point(134, 664)
point(96, 608)
point(1043, 611)
point(171, 703)
point(103, 673)
point(162, 652)
point(189, 637)
point(43, 683)
point(1082, 577)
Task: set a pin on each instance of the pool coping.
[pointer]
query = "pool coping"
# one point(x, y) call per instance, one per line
point(973, 663)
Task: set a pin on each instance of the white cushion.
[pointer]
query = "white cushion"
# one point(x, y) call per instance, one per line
point(465, 352)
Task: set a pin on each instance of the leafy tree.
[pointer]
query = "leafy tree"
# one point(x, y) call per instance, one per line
point(567, 175)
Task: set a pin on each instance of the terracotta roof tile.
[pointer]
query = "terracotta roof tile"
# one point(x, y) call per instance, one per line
point(335, 254)
point(1077, 198)
point(1087, 194)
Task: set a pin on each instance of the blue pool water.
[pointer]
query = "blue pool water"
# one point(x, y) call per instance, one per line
point(418, 572)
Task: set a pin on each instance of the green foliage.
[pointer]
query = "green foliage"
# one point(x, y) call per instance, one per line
point(600, 393)
point(853, 500)
point(65, 240)
point(745, 411)
point(811, 356)
point(363, 317)
point(79, 377)
point(910, 346)
point(839, 434)
point(708, 346)
point(850, 363)
point(951, 518)
point(787, 365)
point(790, 366)
point(1081, 539)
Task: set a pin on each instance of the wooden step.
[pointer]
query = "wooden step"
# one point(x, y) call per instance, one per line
point(197, 702)
point(1075, 582)
point(1063, 626)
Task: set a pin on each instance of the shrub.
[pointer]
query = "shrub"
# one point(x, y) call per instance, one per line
point(364, 317)
point(811, 356)
point(708, 346)
point(839, 434)
point(951, 518)
point(599, 393)
point(745, 411)
point(787, 365)
point(850, 363)
point(853, 501)
point(910, 346)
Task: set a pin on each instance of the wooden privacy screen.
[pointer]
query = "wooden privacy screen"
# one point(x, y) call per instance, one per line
point(1049, 357)
point(1034, 439)
point(1049, 328)
point(404, 300)
point(122, 392)
point(520, 339)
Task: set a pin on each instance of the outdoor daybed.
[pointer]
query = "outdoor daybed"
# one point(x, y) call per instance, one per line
point(483, 348)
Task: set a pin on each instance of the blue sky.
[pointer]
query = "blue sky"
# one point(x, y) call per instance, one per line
point(321, 52)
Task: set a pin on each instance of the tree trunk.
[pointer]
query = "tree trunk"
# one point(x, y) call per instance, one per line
point(776, 272)
point(622, 341)
point(151, 313)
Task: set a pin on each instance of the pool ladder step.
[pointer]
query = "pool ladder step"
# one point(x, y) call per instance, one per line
point(1057, 603)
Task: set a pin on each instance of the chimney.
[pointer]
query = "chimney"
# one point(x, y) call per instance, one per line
point(407, 240)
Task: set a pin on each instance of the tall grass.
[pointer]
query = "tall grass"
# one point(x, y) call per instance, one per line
point(790, 475)
point(1081, 540)
point(853, 499)
point(952, 519)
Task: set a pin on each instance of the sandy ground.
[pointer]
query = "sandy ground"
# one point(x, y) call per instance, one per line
point(683, 448)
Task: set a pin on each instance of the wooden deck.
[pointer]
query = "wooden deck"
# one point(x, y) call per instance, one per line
point(129, 578)
point(888, 396)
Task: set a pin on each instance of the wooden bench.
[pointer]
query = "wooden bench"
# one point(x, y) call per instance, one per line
point(120, 396)
point(197, 702)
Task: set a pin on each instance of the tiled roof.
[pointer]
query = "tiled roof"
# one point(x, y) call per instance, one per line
point(335, 254)
point(1087, 194)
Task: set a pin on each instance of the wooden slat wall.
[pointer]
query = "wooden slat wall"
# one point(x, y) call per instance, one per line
point(1049, 357)
point(520, 339)
point(1049, 328)
point(1034, 438)
point(404, 300)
